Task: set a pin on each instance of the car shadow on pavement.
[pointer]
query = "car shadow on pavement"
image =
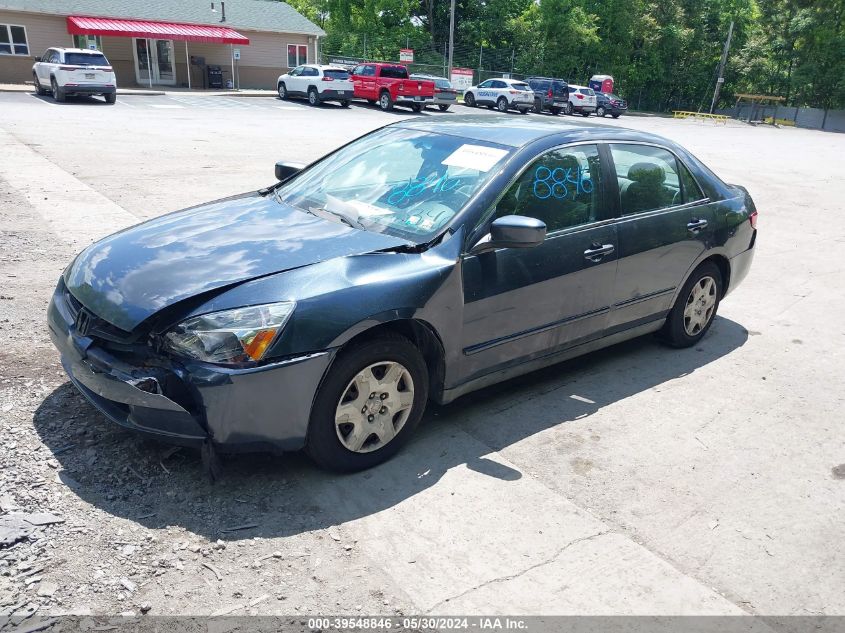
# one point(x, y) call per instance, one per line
point(268, 496)
point(72, 100)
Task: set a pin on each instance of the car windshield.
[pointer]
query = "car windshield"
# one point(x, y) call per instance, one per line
point(610, 95)
point(336, 73)
point(394, 72)
point(86, 59)
point(407, 183)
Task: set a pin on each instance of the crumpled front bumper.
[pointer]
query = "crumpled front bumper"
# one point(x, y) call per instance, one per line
point(258, 408)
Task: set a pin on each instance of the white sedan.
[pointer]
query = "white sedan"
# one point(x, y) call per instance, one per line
point(317, 83)
point(502, 94)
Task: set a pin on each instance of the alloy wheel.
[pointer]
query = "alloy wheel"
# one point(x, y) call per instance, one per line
point(700, 306)
point(600, 111)
point(374, 407)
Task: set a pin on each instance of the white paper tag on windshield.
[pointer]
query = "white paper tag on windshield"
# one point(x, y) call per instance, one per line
point(475, 157)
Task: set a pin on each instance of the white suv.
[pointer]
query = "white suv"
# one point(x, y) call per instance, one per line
point(581, 100)
point(74, 71)
point(317, 83)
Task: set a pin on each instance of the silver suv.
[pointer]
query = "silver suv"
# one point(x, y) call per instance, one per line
point(74, 71)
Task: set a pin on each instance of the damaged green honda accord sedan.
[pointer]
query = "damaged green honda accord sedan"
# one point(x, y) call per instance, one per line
point(419, 262)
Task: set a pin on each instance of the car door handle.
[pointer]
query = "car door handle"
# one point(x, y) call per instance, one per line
point(696, 225)
point(596, 252)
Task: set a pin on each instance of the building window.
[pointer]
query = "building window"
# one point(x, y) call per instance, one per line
point(13, 40)
point(90, 42)
point(297, 54)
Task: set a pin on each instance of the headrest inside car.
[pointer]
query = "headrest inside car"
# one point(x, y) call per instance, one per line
point(646, 172)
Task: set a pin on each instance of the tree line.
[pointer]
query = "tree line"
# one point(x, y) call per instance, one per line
point(663, 54)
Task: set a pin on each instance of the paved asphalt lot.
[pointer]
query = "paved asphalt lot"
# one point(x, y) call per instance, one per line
point(638, 480)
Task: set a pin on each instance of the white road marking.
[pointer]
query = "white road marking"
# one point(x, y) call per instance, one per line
point(166, 105)
point(40, 100)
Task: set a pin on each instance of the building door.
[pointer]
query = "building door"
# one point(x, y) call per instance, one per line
point(156, 57)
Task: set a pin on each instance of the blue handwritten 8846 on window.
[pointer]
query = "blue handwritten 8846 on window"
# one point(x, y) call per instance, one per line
point(560, 181)
point(417, 186)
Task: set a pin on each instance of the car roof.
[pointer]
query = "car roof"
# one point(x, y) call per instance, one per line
point(520, 132)
point(66, 49)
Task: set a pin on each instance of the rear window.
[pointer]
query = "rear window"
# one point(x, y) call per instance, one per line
point(394, 72)
point(521, 86)
point(336, 74)
point(538, 84)
point(86, 59)
point(587, 91)
point(443, 83)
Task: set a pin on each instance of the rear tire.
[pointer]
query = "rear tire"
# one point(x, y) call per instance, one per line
point(345, 103)
point(469, 100)
point(569, 108)
point(58, 93)
point(332, 431)
point(695, 308)
point(555, 111)
point(524, 110)
point(585, 114)
point(313, 97)
point(110, 98)
point(502, 104)
point(283, 92)
point(600, 111)
point(615, 116)
point(443, 107)
point(538, 106)
point(385, 102)
point(371, 101)
point(416, 107)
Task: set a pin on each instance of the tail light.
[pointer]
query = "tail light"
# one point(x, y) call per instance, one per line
point(68, 67)
point(513, 92)
point(752, 217)
point(327, 79)
point(549, 94)
point(579, 96)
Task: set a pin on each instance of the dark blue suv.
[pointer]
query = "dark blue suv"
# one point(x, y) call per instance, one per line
point(609, 103)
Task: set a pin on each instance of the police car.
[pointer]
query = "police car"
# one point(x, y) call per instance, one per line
point(502, 94)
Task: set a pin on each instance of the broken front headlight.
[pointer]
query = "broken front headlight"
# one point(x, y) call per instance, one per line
point(231, 336)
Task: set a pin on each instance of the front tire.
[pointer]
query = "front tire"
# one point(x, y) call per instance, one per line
point(443, 107)
point(469, 100)
point(569, 108)
point(369, 404)
point(585, 114)
point(385, 102)
point(345, 103)
point(524, 110)
point(615, 116)
point(538, 107)
point(695, 308)
point(38, 89)
point(313, 97)
point(283, 92)
point(555, 111)
point(600, 111)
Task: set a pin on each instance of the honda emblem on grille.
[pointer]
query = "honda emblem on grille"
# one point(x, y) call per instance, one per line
point(84, 321)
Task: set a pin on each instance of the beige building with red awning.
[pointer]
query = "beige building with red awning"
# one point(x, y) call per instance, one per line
point(160, 42)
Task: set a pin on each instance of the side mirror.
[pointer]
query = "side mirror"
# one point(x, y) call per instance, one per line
point(286, 171)
point(513, 231)
point(37, 58)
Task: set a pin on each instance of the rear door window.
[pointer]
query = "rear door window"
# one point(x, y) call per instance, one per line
point(647, 176)
point(691, 191)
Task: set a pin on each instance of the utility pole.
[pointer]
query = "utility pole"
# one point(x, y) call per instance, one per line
point(451, 37)
point(721, 78)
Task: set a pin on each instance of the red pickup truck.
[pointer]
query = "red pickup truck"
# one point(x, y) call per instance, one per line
point(389, 85)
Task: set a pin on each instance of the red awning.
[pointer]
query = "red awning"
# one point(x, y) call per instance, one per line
point(80, 25)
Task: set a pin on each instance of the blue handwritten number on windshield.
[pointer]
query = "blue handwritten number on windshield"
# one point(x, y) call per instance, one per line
point(416, 186)
point(553, 182)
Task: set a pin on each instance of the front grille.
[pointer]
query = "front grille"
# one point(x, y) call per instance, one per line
point(98, 328)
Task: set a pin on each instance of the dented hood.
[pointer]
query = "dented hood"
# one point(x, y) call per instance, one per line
point(129, 276)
